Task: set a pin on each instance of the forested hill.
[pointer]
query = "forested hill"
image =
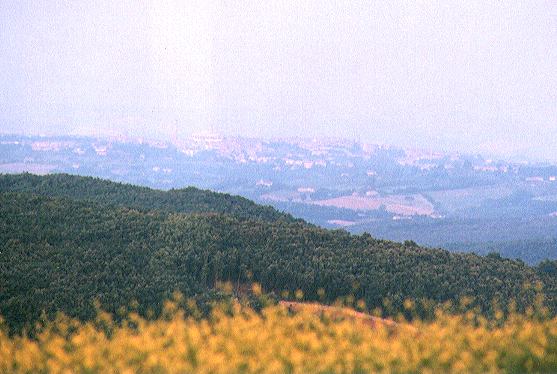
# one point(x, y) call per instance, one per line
point(60, 254)
point(187, 200)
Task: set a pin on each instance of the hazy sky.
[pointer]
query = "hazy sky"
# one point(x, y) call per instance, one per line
point(465, 75)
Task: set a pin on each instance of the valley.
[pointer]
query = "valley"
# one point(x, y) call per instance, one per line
point(434, 198)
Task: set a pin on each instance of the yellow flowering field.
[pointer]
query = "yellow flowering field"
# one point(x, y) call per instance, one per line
point(280, 340)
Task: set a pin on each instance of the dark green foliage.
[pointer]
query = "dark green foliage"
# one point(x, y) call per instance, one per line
point(187, 200)
point(60, 254)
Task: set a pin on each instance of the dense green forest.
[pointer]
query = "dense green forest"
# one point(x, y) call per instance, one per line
point(66, 241)
point(187, 200)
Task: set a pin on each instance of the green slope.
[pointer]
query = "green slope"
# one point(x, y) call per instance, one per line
point(59, 254)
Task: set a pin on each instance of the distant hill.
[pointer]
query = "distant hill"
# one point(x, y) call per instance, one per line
point(62, 253)
point(399, 194)
point(531, 251)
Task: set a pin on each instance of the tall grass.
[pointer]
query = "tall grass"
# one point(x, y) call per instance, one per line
point(235, 338)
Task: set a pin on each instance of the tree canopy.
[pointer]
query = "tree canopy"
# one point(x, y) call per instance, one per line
point(67, 241)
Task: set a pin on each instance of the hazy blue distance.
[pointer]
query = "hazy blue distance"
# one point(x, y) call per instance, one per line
point(455, 75)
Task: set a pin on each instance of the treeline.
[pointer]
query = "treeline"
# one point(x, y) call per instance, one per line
point(531, 251)
point(61, 254)
point(187, 200)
